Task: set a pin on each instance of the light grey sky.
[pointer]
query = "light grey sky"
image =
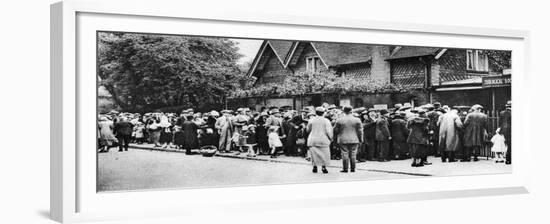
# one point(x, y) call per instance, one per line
point(249, 48)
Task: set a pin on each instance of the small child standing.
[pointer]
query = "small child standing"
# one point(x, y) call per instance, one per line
point(139, 133)
point(274, 140)
point(251, 140)
point(499, 147)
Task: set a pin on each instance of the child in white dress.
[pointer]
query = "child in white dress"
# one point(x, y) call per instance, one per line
point(273, 140)
point(499, 147)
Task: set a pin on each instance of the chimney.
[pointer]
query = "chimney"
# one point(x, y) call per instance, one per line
point(380, 68)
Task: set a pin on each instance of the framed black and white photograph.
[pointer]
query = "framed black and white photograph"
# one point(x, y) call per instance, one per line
point(233, 111)
point(164, 110)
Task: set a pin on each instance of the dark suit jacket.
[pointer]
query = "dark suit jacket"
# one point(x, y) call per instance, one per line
point(123, 128)
point(382, 129)
point(505, 124)
point(348, 130)
point(399, 131)
point(419, 131)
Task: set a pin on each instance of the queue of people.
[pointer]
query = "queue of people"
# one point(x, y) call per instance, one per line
point(318, 134)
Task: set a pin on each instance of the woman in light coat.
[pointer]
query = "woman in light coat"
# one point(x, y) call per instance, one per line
point(449, 139)
point(319, 139)
point(106, 136)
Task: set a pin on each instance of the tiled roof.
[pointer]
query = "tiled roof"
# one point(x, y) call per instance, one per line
point(451, 77)
point(410, 81)
point(281, 48)
point(358, 71)
point(409, 52)
point(334, 54)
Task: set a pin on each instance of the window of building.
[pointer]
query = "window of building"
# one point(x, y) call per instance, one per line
point(477, 60)
point(312, 64)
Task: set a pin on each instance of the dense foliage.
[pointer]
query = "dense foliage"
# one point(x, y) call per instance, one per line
point(500, 59)
point(318, 82)
point(147, 72)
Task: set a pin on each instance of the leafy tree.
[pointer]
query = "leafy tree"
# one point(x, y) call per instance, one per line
point(500, 59)
point(147, 72)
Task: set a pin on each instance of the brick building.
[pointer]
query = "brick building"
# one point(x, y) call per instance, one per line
point(451, 76)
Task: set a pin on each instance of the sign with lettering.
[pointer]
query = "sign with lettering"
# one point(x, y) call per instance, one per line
point(345, 102)
point(497, 81)
point(380, 106)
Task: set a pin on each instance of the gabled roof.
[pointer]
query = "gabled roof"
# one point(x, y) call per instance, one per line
point(410, 51)
point(333, 54)
point(280, 49)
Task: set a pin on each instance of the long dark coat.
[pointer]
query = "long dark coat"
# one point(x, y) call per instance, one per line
point(419, 131)
point(434, 117)
point(505, 124)
point(475, 129)
point(382, 129)
point(189, 130)
point(399, 135)
point(291, 137)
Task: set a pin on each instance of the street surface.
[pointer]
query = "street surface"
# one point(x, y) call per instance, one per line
point(141, 169)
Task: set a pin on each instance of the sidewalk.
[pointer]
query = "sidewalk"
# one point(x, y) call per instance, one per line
point(438, 168)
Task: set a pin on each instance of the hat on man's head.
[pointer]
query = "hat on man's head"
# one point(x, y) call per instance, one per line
point(429, 106)
point(384, 111)
point(274, 111)
point(437, 105)
point(319, 109)
point(400, 114)
point(332, 106)
point(397, 105)
point(264, 114)
point(421, 111)
point(476, 107)
point(359, 110)
point(214, 113)
point(347, 109)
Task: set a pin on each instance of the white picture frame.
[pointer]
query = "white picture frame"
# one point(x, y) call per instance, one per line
point(73, 199)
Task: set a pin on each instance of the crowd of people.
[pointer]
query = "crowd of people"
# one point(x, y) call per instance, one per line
point(318, 134)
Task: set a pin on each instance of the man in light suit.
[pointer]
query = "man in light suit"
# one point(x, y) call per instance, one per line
point(349, 135)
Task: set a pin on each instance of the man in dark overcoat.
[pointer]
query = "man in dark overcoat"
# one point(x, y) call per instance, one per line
point(433, 114)
point(475, 131)
point(383, 136)
point(399, 134)
point(505, 124)
point(190, 134)
point(123, 131)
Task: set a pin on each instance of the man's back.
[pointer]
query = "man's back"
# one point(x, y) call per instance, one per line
point(348, 130)
point(123, 128)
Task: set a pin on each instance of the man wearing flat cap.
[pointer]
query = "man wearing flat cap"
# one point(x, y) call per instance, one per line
point(475, 131)
point(349, 134)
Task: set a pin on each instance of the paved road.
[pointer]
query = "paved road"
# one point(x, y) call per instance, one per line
point(143, 169)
